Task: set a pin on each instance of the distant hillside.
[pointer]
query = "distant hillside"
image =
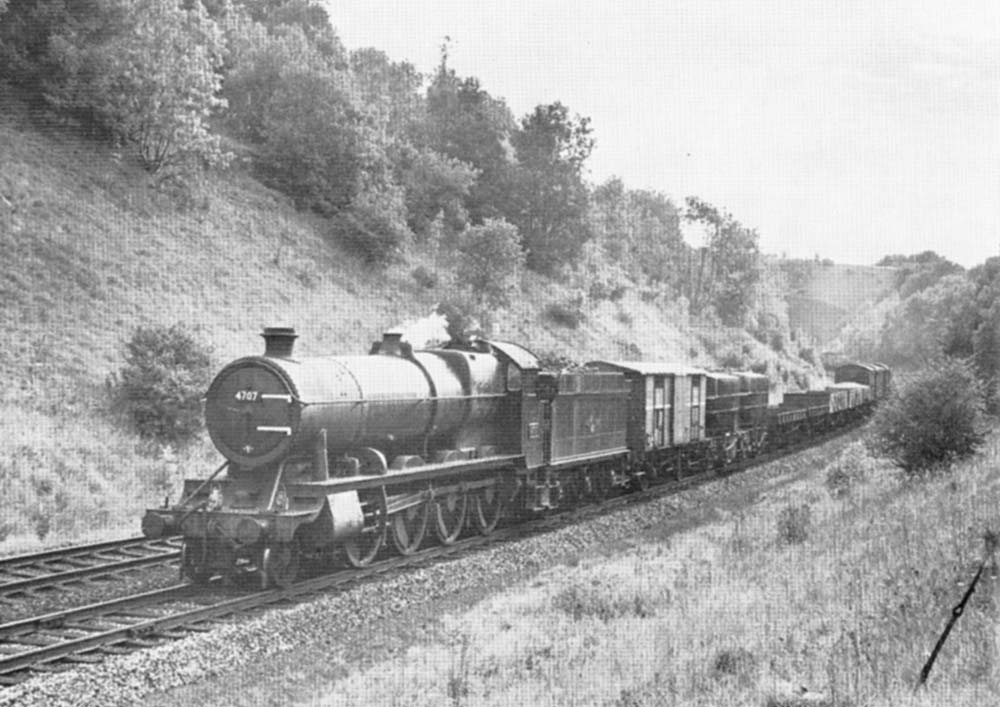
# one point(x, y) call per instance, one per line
point(825, 297)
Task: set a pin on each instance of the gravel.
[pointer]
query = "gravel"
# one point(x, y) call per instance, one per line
point(333, 620)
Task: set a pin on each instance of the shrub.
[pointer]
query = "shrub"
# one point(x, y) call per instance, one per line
point(424, 278)
point(847, 470)
point(161, 385)
point(793, 524)
point(936, 416)
point(568, 314)
point(374, 228)
point(603, 598)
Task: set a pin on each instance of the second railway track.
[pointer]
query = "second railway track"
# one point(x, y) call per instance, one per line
point(63, 567)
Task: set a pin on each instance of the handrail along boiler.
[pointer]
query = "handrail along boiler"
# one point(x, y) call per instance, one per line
point(330, 455)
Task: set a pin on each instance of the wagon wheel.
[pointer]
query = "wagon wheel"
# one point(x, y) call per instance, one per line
point(195, 560)
point(572, 489)
point(487, 508)
point(599, 482)
point(408, 528)
point(279, 564)
point(449, 516)
point(363, 548)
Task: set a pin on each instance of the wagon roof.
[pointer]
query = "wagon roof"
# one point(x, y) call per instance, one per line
point(652, 368)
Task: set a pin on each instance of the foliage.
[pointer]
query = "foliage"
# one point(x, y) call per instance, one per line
point(425, 278)
point(603, 598)
point(935, 416)
point(374, 226)
point(390, 92)
point(152, 78)
point(490, 261)
point(568, 313)
point(938, 320)
point(794, 523)
point(848, 470)
point(466, 123)
point(314, 138)
point(915, 273)
point(161, 385)
point(729, 266)
point(548, 197)
point(436, 188)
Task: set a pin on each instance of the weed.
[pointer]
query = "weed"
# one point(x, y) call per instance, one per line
point(738, 663)
point(793, 524)
point(602, 598)
point(847, 470)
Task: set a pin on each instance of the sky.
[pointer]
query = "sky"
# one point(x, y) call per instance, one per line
point(840, 129)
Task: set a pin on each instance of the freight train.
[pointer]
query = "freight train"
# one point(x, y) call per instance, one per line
point(344, 456)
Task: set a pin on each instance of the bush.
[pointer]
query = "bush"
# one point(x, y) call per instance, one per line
point(161, 385)
point(567, 314)
point(604, 598)
point(374, 228)
point(793, 524)
point(847, 470)
point(424, 278)
point(936, 416)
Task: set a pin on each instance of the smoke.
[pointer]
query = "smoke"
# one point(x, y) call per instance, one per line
point(431, 330)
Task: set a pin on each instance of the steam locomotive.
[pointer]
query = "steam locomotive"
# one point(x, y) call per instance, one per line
point(345, 455)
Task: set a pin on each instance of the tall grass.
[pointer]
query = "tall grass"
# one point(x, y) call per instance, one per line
point(733, 614)
point(67, 479)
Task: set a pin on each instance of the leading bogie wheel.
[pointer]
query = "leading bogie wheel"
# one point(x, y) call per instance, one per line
point(408, 528)
point(195, 560)
point(449, 516)
point(487, 508)
point(362, 549)
point(280, 564)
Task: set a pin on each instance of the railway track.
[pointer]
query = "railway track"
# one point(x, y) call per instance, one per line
point(58, 640)
point(23, 574)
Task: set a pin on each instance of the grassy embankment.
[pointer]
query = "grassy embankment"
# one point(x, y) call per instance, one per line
point(91, 250)
point(844, 600)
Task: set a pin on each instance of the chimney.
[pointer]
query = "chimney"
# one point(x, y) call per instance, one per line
point(392, 344)
point(279, 341)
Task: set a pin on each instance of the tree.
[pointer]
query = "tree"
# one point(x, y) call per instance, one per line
point(314, 139)
point(939, 320)
point(467, 124)
point(154, 82)
point(728, 268)
point(490, 261)
point(390, 91)
point(933, 417)
point(918, 272)
point(639, 230)
point(436, 189)
point(549, 199)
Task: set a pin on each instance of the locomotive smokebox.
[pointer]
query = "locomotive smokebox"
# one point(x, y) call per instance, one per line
point(279, 341)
